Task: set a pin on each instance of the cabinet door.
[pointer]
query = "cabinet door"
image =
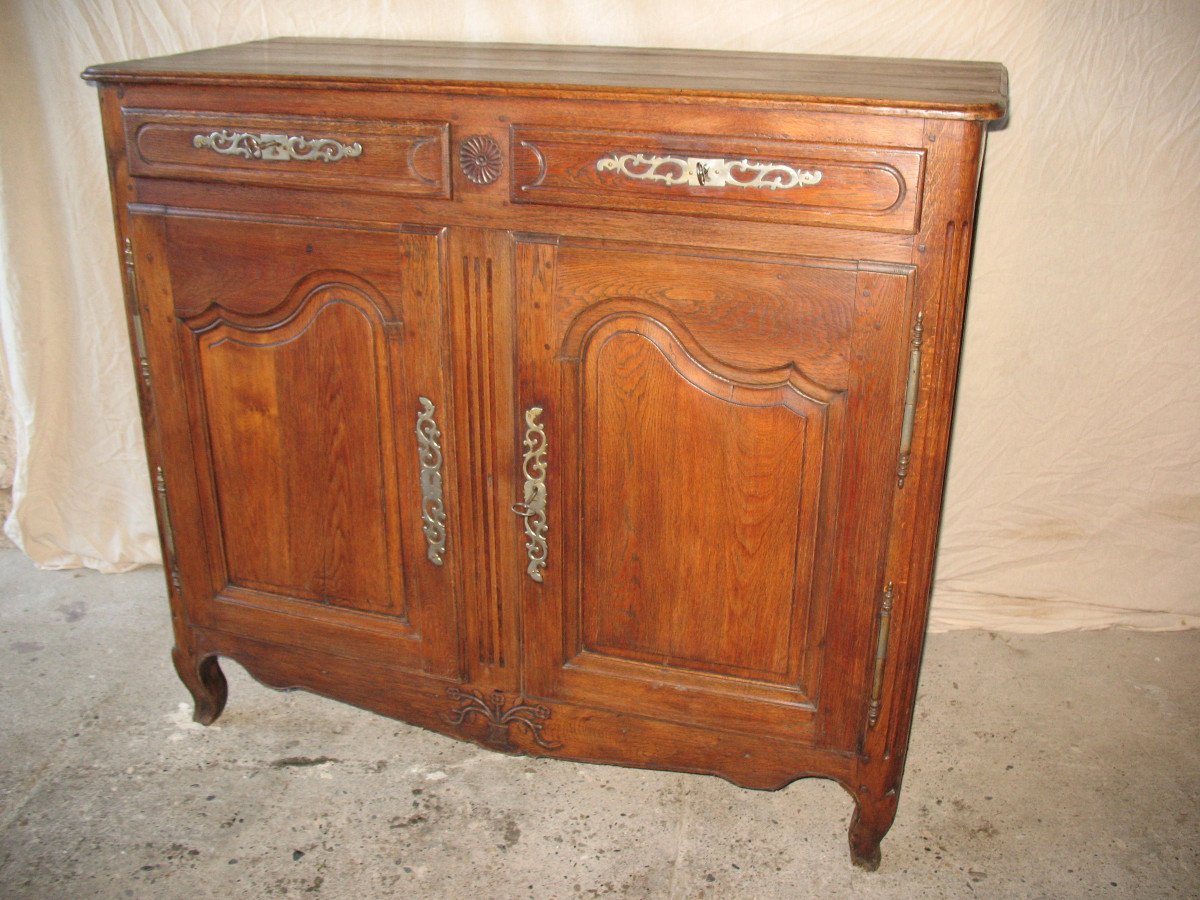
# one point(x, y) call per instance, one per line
point(718, 438)
point(298, 388)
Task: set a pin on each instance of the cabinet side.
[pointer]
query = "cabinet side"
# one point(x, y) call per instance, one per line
point(202, 677)
point(942, 253)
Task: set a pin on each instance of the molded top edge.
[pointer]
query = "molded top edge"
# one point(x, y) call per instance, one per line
point(935, 88)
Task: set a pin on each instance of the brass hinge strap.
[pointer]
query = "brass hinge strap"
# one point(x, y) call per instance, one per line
point(910, 399)
point(160, 481)
point(881, 648)
point(168, 531)
point(139, 334)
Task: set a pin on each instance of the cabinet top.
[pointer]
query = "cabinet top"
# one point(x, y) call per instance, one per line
point(935, 88)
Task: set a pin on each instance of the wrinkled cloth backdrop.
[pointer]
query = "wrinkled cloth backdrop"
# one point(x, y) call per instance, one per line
point(1074, 488)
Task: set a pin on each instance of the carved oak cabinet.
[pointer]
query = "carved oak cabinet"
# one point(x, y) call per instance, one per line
point(579, 402)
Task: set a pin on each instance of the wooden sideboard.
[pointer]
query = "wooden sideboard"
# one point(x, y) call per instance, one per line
point(578, 402)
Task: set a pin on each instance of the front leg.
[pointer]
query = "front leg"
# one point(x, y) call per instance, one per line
point(205, 681)
point(873, 816)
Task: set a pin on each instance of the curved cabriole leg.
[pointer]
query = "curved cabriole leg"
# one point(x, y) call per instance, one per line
point(871, 821)
point(206, 683)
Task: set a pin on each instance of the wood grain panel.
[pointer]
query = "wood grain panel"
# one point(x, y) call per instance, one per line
point(244, 267)
point(694, 502)
point(753, 313)
point(303, 495)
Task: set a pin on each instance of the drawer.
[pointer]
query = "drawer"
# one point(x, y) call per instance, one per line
point(844, 185)
point(348, 154)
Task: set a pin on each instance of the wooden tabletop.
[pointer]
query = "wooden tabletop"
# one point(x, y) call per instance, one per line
point(937, 88)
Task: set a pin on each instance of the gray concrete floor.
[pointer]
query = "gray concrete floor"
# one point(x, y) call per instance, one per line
point(1059, 766)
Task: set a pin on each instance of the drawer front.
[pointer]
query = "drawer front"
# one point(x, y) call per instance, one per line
point(852, 186)
point(348, 154)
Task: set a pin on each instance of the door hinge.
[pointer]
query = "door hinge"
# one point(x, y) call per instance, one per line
point(139, 335)
point(910, 399)
point(168, 531)
point(881, 649)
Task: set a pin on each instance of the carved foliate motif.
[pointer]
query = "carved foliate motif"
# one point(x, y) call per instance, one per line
point(499, 719)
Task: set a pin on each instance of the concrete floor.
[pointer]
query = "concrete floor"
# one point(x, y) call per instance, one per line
point(1060, 766)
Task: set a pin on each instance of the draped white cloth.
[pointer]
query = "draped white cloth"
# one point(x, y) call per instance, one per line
point(1074, 490)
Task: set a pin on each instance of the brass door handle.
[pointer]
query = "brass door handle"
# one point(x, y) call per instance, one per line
point(429, 454)
point(533, 509)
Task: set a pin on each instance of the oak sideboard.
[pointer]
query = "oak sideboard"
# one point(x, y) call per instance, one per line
point(578, 402)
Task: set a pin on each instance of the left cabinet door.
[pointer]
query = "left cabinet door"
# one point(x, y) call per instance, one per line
point(297, 376)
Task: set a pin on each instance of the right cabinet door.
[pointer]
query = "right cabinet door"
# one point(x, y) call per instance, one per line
point(709, 458)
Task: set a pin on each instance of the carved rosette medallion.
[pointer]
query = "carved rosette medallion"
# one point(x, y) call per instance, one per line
point(530, 717)
point(479, 158)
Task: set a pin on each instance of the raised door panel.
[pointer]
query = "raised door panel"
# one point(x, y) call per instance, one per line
point(299, 460)
point(711, 435)
point(307, 381)
point(666, 451)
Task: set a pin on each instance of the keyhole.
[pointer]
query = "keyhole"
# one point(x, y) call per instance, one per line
point(701, 173)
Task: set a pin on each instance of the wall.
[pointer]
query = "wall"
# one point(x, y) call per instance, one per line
point(1074, 490)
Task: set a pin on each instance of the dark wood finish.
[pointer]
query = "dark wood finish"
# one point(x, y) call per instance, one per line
point(720, 372)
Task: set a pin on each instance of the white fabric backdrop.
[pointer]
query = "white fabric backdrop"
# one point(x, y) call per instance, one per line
point(1074, 489)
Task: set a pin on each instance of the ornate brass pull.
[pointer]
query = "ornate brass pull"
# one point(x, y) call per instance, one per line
point(533, 510)
point(713, 173)
point(433, 512)
point(276, 146)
